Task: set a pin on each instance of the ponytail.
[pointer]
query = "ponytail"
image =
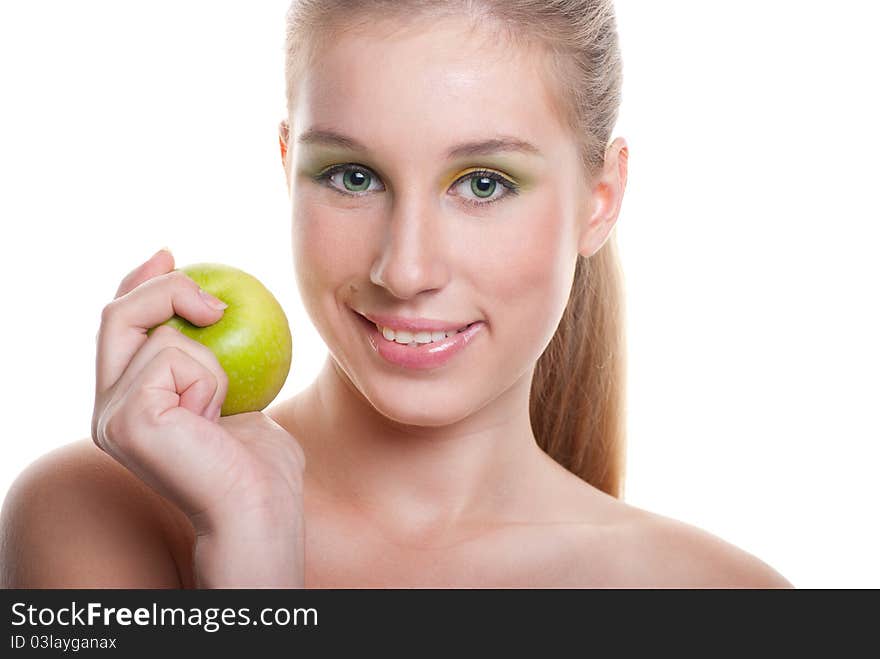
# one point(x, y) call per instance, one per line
point(577, 402)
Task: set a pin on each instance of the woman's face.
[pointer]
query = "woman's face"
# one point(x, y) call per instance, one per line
point(389, 219)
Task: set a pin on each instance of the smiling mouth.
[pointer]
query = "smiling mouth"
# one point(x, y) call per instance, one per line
point(413, 352)
point(414, 339)
point(409, 338)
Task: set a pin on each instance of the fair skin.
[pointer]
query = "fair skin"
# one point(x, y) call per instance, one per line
point(374, 475)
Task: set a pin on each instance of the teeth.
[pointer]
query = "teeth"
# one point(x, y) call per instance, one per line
point(413, 338)
point(403, 337)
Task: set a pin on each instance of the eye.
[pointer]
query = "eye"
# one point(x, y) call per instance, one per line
point(483, 184)
point(351, 180)
point(354, 181)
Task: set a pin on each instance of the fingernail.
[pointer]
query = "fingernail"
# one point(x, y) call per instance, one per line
point(164, 249)
point(212, 301)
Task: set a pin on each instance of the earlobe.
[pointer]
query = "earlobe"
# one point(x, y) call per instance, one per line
point(606, 199)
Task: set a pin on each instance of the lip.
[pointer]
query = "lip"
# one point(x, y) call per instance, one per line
point(422, 357)
point(413, 324)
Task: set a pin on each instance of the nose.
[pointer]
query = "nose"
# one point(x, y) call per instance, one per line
point(412, 256)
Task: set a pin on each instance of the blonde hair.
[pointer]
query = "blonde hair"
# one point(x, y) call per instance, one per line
point(577, 399)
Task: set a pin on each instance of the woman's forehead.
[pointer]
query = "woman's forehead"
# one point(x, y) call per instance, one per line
point(434, 79)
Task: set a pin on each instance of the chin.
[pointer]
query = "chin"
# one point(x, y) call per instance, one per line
point(425, 406)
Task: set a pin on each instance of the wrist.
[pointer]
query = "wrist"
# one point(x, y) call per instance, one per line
point(252, 551)
point(253, 511)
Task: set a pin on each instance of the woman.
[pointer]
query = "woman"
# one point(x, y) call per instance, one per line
point(454, 191)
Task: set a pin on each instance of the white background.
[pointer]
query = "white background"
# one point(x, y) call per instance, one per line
point(749, 235)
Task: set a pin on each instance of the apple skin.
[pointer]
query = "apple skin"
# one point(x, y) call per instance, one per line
point(251, 340)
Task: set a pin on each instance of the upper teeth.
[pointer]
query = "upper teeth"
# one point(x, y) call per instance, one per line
point(406, 337)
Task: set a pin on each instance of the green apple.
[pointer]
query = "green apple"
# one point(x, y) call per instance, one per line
point(251, 341)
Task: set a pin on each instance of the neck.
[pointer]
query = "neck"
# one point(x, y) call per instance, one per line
point(419, 480)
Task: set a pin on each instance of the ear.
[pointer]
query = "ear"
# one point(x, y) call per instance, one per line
point(606, 198)
point(283, 137)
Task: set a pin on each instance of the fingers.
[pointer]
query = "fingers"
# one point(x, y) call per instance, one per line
point(155, 429)
point(167, 337)
point(126, 320)
point(158, 264)
point(158, 395)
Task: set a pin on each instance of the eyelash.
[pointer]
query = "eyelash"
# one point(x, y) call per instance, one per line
point(512, 188)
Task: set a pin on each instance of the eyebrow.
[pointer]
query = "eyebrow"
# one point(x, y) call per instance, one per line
point(499, 144)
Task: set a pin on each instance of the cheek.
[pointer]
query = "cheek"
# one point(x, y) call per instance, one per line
point(534, 268)
point(323, 250)
point(327, 257)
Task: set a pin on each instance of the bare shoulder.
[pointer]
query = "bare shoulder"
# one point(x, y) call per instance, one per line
point(75, 518)
point(657, 551)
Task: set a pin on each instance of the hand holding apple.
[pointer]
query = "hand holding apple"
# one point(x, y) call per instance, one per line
point(251, 340)
point(158, 397)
